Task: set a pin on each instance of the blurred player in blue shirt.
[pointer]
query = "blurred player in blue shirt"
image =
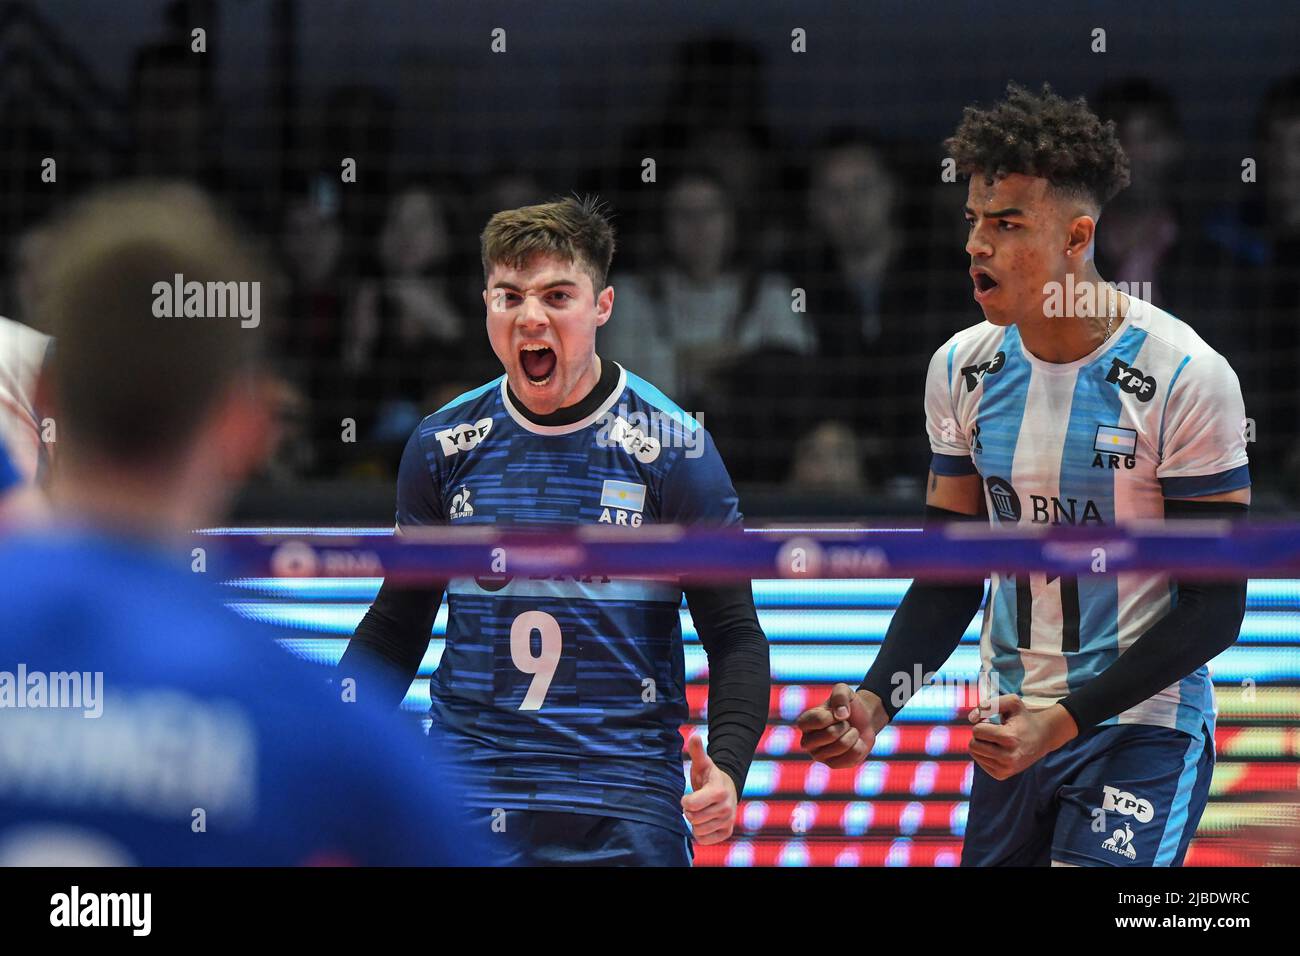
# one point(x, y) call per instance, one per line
point(565, 697)
point(140, 722)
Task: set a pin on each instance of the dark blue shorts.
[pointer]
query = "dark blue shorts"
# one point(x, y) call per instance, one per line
point(1120, 795)
point(551, 838)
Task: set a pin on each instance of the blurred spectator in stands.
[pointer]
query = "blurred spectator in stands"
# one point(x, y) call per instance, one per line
point(710, 327)
point(25, 255)
point(851, 203)
point(357, 122)
point(1278, 130)
point(867, 303)
point(714, 114)
point(706, 306)
point(406, 333)
point(1153, 233)
point(303, 447)
point(319, 276)
point(173, 119)
point(829, 458)
point(177, 120)
point(509, 187)
point(1268, 235)
point(309, 341)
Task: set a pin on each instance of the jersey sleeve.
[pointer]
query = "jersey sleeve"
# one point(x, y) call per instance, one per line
point(949, 443)
point(698, 490)
point(419, 501)
point(1202, 439)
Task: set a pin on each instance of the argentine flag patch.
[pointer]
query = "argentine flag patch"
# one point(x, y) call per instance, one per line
point(627, 495)
point(1115, 441)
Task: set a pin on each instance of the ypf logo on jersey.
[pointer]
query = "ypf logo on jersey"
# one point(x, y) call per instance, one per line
point(1131, 380)
point(463, 437)
point(621, 503)
point(1125, 804)
point(973, 373)
point(631, 438)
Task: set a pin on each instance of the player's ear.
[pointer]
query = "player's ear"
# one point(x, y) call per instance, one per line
point(604, 305)
point(245, 427)
point(1079, 237)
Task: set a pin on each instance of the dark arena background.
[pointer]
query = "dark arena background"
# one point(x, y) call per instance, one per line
point(775, 153)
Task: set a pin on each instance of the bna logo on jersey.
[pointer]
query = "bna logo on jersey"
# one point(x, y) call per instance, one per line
point(1006, 503)
point(463, 437)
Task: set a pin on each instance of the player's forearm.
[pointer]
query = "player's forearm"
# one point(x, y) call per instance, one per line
point(740, 685)
point(740, 677)
point(385, 652)
point(925, 630)
point(1205, 623)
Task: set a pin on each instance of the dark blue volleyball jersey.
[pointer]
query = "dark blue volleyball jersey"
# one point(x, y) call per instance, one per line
point(565, 694)
point(143, 723)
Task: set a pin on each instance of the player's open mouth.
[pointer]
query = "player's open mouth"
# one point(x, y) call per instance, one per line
point(985, 284)
point(538, 362)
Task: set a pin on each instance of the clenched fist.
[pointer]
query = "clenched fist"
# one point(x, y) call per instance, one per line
point(842, 731)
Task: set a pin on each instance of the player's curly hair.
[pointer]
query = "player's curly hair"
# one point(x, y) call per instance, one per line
point(1042, 134)
point(574, 229)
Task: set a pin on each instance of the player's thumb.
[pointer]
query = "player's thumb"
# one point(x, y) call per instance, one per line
point(1009, 704)
point(700, 762)
point(1002, 707)
point(841, 701)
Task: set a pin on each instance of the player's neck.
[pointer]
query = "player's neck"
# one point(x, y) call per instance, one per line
point(151, 504)
point(1093, 310)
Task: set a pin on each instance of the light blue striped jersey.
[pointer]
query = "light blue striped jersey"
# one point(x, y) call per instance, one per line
point(1152, 413)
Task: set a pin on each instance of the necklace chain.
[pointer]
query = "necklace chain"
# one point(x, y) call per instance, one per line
point(1112, 304)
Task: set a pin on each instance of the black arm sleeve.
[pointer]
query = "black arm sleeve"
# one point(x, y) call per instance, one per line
point(925, 629)
point(385, 652)
point(740, 678)
point(1205, 622)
